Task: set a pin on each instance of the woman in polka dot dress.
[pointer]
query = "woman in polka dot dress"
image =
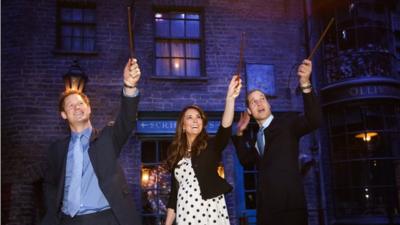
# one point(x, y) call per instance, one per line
point(197, 191)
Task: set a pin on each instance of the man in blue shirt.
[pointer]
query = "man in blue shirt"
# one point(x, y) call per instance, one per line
point(84, 183)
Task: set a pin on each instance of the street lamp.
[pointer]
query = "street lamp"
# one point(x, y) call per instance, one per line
point(75, 78)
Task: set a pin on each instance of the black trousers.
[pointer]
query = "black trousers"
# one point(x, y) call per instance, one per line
point(105, 217)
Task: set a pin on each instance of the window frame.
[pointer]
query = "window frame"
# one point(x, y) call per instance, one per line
point(348, 163)
point(60, 24)
point(184, 40)
point(159, 217)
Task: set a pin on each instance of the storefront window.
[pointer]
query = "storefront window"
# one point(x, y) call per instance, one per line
point(155, 181)
point(365, 155)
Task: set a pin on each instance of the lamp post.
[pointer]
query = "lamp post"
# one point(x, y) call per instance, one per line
point(75, 79)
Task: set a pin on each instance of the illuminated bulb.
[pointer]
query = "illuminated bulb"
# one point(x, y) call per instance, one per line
point(145, 176)
point(367, 196)
point(176, 65)
point(158, 15)
point(366, 136)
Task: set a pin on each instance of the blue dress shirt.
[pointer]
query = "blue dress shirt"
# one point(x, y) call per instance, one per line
point(92, 198)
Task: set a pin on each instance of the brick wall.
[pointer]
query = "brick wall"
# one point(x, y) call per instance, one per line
point(32, 79)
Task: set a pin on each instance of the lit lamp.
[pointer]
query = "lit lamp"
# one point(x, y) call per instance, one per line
point(75, 78)
point(220, 171)
point(366, 136)
point(145, 176)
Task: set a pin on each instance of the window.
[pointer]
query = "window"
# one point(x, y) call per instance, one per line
point(178, 44)
point(365, 154)
point(250, 186)
point(155, 181)
point(247, 179)
point(76, 27)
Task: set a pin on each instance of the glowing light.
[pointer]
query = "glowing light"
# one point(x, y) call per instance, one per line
point(367, 196)
point(351, 7)
point(176, 65)
point(221, 171)
point(344, 35)
point(158, 15)
point(145, 176)
point(75, 78)
point(367, 136)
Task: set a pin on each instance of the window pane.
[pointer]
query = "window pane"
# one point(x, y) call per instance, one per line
point(148, 152)
point(178, 67)
point(162, 49)
point(177, 15)
point(192, 16)
point(249, 181)
point(164, 181)
point(193, 50)
point(193, 29)
point(193, 67)
point(177, 28)
point(88, 44)
point(162, 67)
point(89, 16)
point(337, 123)
point(77, 15)
point(177, 49)
point(66, 14)
point(374, 118)
point(339, 147)
point(76, 44)
point(392, 122)
point(66, 43)
point(365, 201)
point(356, 148)
point(163, 149)
point(354, 120)
point(381, 172)
point(66, 31)
point(89, 32)
point(77, 32)
point(250, 198)
point(162, 28)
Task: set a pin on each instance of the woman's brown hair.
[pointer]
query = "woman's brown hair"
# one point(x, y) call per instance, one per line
point(178, 148)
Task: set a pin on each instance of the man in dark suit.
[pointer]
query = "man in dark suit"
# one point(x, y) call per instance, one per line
point(280, 192)
point(84, 183)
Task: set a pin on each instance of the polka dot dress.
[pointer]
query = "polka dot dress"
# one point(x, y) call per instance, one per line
point(191, 208)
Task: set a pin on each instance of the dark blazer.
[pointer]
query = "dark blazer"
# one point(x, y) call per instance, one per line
point(104, 149)
point(205, 168)
point(280, 193)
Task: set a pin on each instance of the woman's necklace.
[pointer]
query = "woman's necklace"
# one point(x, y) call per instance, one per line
point(188, 152)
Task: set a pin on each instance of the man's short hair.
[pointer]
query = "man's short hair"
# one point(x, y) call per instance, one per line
point(250, 92)
point(65, 94)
